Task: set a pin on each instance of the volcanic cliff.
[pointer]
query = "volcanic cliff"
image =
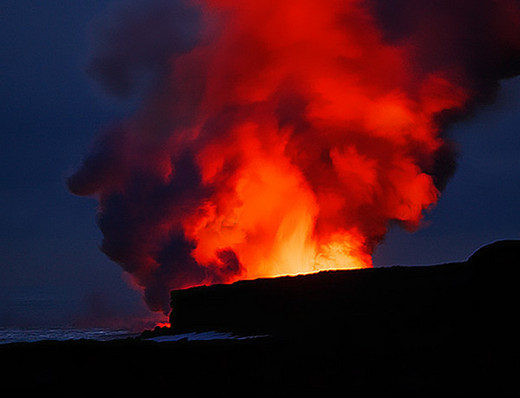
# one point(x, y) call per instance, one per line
point(464, 298)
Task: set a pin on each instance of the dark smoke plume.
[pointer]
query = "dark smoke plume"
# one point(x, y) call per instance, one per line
point(134, 41)
point(281, 137)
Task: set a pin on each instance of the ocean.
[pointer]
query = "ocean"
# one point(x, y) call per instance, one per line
point(18, 335)
point(28, 335)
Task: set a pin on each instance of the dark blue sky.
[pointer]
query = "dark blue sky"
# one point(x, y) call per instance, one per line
point(51, 270)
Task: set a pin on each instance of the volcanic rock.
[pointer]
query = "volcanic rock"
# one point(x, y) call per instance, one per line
point(376, 302)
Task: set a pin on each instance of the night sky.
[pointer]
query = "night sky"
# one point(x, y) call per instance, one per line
point(51, 269)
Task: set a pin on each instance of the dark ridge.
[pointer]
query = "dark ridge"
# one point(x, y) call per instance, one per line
point(356, 303)
point(505, 253)
point(327, 302)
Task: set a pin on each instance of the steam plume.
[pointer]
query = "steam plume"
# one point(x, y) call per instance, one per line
point(282, 136)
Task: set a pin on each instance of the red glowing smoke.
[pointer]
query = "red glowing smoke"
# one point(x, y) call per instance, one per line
point(282, 136)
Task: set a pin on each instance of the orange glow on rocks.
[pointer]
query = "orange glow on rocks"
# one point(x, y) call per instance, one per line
point(284, 141)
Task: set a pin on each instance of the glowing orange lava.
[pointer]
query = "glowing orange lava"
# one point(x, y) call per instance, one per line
point(309, 188)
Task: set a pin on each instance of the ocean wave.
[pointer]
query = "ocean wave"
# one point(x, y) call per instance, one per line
point(18, 335)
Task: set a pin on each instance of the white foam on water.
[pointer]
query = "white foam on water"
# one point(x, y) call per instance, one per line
point(212, 335)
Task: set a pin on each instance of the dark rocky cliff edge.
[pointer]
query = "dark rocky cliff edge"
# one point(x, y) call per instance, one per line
point(377, 303)
point(419, 331)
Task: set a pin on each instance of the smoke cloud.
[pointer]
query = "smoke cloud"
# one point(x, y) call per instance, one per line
point(133, 42)
point(281, 137)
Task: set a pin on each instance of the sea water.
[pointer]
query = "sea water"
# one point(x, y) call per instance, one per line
point(29, 335)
